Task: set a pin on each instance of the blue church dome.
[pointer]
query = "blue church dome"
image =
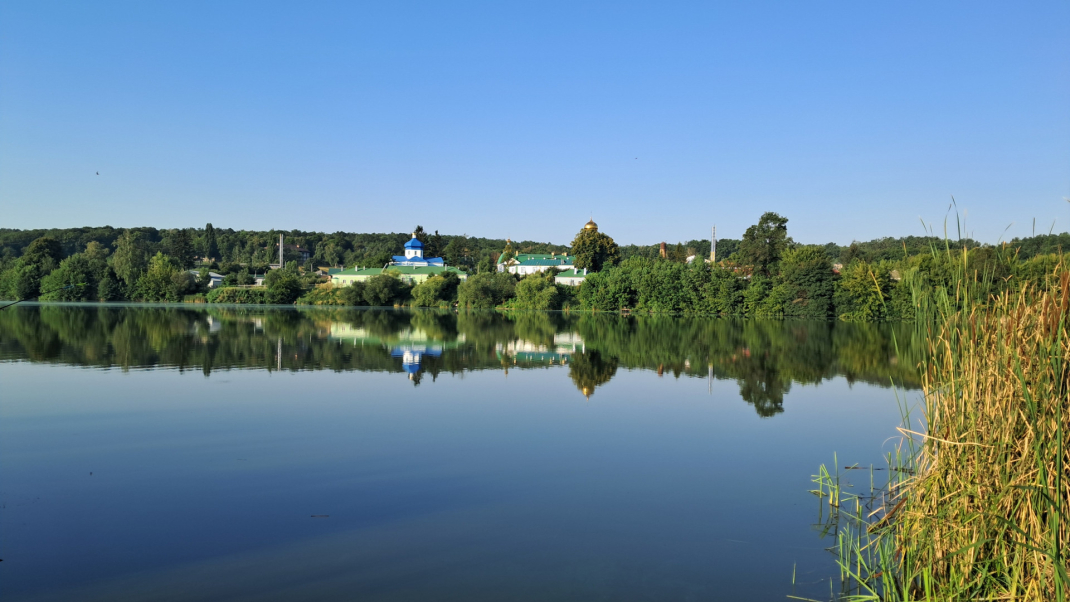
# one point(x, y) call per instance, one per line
point(414, 243)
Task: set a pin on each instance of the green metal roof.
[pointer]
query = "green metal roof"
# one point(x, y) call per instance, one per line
point(572, 273)
point(404, 270)
point(561, 263)
point(548, 259)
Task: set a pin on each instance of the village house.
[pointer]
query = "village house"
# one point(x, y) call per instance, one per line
point(530, 263)
point(573, 277)
point(523, 264)
point(303, 254)
point(214, 279)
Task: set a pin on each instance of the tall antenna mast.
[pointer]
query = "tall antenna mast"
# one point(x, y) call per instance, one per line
point(713, 247)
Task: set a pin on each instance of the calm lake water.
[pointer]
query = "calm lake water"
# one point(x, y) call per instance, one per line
point(224, 453)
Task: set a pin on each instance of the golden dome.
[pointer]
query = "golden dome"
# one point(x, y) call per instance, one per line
point(591, 226)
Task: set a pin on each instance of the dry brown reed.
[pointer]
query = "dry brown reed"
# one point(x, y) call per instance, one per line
point(986, 516)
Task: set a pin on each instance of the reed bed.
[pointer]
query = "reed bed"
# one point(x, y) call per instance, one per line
point(975, 503)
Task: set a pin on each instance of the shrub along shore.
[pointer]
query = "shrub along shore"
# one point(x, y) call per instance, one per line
point(976, 506)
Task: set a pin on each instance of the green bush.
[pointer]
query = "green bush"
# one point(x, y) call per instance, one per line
point(283, 286)
point(164, 280)
point(803, 286)
point(73, 280)
point(324, 294)
point(109, 288)
point(228, 294)
point(486, 290)
point(608, 290)
point(353, 294)
point(436, 290)
point(386, 290)
point(537, 291)
point(755, 294)
point(659, 284)
point(724, 293)
point(862, 292)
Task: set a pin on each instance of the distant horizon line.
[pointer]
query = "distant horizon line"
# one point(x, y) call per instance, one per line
point(506, 238)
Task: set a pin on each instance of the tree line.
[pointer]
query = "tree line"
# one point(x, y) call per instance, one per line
point(763, 274)
point(258, 249)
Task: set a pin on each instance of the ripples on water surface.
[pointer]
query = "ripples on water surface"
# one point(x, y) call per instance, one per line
point(170, 453)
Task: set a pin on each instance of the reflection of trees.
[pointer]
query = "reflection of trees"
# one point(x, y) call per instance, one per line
point(436, 324)
point(762, 386)
point(763, 356)
point(589, 369)
point(381, 323)
point(535, 326)
point(484, 329)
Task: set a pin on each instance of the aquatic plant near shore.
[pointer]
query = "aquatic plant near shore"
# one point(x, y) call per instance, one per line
point(976, 509)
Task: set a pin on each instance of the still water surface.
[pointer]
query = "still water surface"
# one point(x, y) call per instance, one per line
point(170, 453)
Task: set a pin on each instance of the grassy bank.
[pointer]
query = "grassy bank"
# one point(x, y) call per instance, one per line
point(975, 506)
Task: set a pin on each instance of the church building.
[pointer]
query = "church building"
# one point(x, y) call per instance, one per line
point(414, 255)
point(523, 264)
point(412, 267)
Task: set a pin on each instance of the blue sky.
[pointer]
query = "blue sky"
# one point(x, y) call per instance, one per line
point(497, 119)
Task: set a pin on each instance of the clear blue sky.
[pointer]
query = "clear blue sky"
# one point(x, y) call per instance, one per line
point(852, 119)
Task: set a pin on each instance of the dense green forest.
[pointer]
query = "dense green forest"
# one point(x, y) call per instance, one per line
point(260, 248)
point(257, 249)
point(765, 273)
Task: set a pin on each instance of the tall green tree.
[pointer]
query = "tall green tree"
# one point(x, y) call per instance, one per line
point(764, 244)
point(45, 252)
point(165, 280)
point(434, 245)
point(77, 277)
point(130, 257)
point(329, 253)
point(23, 279)
point(180, 248)
point(456, 252)
point(210, 245)
point(593, 250)
point(486, 264)
point(109, 287)
point(804, 286)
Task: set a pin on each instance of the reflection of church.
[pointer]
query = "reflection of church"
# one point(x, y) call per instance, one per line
point(587, 369)
point(412, 345)
point(412, 356)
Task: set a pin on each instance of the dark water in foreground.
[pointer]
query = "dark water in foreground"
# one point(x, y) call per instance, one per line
point(169, 453)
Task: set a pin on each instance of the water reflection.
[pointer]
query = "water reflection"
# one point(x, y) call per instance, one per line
point(764, 357)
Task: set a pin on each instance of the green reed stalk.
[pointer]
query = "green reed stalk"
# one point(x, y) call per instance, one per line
point(976, 503)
